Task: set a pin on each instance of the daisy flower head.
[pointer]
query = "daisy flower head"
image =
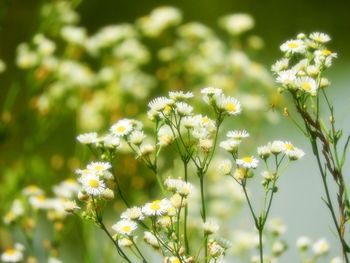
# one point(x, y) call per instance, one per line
point(230, 145)
point(133, 213)
point(286, 77)
point(237, 24)
point(88, 138)
point(150, 239)
point(307, 85)
point(165, 136)
point(237, 135)
point(136, 137)
point(280, 65)
point(321, 247)
point(324, 57)
point(225, 167)
point(240, 173)
point(293, 152)
point(122, 128)
point(264, 152)
point(180, 95)
point(156, 208)
point(161, 104)
point(183, 109)
point(13, 254)
point(210, 227)
point(320, 37)
point(111, 141)
point(276, 147)
point(303, 243)
point(98, 167)
point(248, 162)
point(294, 46)
point(125, 227)
point(228, 104)
point(93, 185)
point(209, 92)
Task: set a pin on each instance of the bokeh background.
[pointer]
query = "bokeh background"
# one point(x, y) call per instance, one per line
point(298, 202)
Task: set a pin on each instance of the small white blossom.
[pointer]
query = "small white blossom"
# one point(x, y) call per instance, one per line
point(125, 227)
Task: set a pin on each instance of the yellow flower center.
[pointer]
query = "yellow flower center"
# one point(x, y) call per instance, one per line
point(155, 205)
point(40, 197)
point(93, 183)
point(248, 159)
point(205, 119)
point(326, 52)
point(176, 260)
point(306, 86)
point(10, 251)
point(289, 146)
point(167, 109)
point(293, 45)
point(126, 229)
point(120, 129)
point(99, 168)
point(231, 107)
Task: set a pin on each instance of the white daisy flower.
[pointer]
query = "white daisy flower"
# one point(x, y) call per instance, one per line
point(98, 167)
point(321, 247)
point(210, 227)
point(280, 65)
point(307, 84)
point(237, 24)
point(136, 137)
point(180, 95)
point(122, 128)
point(230, 145)
point(32, 190)
point(303, 243)
point(184, 189)
point(151, 239)
point(125, 227)
point(237, 135)
point(228, 104)
point(225, 167)
point(248, 162)
point(111, 141)
point(165, 136)
point(240, 173)
point(93, 185)
point(133, 213)
point(156, 208)
point(264, 151)
point(294, 46)
point(125, 242)
point(286, 77)
point(209, 93)
point(276, 147)
point(320, 37)
point(147, 149)
point(183, 109)
point(160, 104)
point(87, 138)
point(14, 254)
point(293, 152)
point(324, 57)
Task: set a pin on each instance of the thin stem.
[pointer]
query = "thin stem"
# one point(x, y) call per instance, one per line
point(187, 247)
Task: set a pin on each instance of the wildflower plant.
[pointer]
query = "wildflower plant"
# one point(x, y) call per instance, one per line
point(276, 156)
point(300, 73)
point(194, 137)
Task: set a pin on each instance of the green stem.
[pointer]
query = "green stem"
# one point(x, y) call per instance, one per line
point(187, 247)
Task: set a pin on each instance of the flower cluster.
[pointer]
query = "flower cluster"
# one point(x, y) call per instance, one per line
point(305, 58)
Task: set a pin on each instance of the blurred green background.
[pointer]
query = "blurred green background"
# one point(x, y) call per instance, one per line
point(298, 202)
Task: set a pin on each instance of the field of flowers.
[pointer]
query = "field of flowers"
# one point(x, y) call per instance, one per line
point(164, 140)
